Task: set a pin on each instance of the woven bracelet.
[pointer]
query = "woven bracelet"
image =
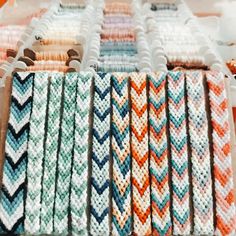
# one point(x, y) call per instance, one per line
point(13, 184)
point(225, 208)
point(121, 183)
point(65, 155)
point(159, 168)
point(179, 153)
point(200, 155)
point(100, 180)
point(139, 151)
point(36, 154)
point(79, 179)
point(51, 151)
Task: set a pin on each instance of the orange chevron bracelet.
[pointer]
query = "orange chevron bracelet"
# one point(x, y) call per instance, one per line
point(225, 208)
point(139, 154)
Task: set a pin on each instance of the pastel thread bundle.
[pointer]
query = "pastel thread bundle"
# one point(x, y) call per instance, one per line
point(13, 184)
point(225, 208)
point(36, 154)
point(179, 153)
point(100, 179)
point(200, 155)
point(118, 40)
point(159, 168)
point(135, 173)
point(139, 153)
point(121, 183)
point(78, 198)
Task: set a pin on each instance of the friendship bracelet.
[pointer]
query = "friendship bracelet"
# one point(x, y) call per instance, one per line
point(51, 151)
point(200, 155)
point(139, 151)
point(36, 154)
point(14, 172)
point(121, 184)
point(159, 169)
point(100, 180)
point(223, 173)
point(179, 154)
point(79, 179)
point(65, 155)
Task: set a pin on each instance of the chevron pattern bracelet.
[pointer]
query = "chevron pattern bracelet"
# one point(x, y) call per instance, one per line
point(14, 173)
point(79, 179)
point(159, 169)
point(100, 181)
point(179, 153)
point(121, 183)
point(65, 155)
point(139, 151)
point(200, 155)
point(225, 208)
point(36, 154)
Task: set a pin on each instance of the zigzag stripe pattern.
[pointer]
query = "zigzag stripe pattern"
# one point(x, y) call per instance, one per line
point(100, 180)
point(121, 184)
point(225, 208)
point(179, 153)
point(50, 158)
point(65, 156)
point(139, 149)
point(14, 173)
point(79, 179)
point(160, 192)
point(200, 155)
point(36, 154)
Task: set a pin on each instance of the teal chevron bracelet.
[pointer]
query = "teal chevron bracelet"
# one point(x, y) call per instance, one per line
point(14, 172)
point(51, 148)
point(79, 179)
point(100, 180)
point(65, 156)
point(121, 182)
point(36, 154)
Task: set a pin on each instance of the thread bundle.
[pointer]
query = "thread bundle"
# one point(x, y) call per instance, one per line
point(118, 48)
point(126, 128)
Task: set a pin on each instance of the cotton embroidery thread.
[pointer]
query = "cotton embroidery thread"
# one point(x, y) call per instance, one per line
point(100, 180)
point(200, 155)
point(14, 173)
point(121, 184)
point(139, 151)
point(225, 208)
point(79, 179)
point(36, 154)
point(179, 154)
point(159, 169)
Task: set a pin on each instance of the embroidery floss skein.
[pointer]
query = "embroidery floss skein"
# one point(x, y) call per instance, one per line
point(51, 148)
point(65, 155)
point(179, 154)
point(100, 180)
point(14, 172)
point(121, 184)
point(160, 192)
point(79, 179)
point(225, 208)
point(36, 154)
point(139, 152)
point(200, 155)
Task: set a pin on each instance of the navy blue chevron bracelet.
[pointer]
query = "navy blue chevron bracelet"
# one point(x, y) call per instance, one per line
point(12, 193)
point(100, 181)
